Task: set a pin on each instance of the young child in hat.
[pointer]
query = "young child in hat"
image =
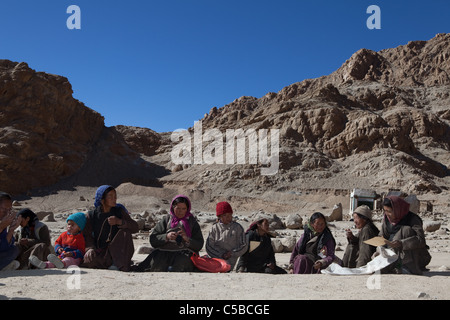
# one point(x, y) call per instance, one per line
point(226, 240)
point(69, 247)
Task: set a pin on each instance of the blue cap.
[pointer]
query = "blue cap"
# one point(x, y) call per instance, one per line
point(79, 218)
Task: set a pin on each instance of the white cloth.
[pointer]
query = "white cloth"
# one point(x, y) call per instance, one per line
point(384, 258)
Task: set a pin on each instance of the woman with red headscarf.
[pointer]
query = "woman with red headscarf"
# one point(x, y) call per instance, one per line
point(404, 230)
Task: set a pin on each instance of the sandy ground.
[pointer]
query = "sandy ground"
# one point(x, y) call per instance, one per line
point(89, 284)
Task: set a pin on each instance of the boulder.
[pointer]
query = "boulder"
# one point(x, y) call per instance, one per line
point(336, 213)
point(288, 243)
point(294, 221)
point(151, 219)
point(431, 226)
point(49, 218)
point(274, 221)
point(277, 245)
point(414, 203)
point(42, 214)
point(141, 223)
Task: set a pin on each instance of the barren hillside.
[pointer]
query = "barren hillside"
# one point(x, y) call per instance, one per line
point(381, 121)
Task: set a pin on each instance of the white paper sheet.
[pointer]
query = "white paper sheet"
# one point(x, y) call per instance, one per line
point(385, 258)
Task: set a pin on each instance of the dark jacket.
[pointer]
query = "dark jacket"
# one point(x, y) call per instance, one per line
point(158, 236)
point(110, 244)
point(38, 233)
point(414, 254)
point(98, 233)
point(257, 259)
point(358, 253)
point(320, 247)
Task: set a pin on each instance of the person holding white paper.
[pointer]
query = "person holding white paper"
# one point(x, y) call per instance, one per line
point(404, 230)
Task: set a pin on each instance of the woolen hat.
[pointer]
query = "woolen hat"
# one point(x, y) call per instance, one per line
point(364, 211)
point(99, 194)
point(79, 218)
point(222, 208)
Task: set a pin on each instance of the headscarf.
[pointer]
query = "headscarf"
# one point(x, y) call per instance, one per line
point(254, 225)
point(99, 194)
point(175, 220)
point(309, 233)
point(400, 209)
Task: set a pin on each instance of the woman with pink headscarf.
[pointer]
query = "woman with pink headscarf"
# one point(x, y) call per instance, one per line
point(404, 230)
point(175, 237)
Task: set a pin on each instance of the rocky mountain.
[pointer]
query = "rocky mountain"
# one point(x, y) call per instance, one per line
point(47, 136)
point(381, 121)
point(44, 133)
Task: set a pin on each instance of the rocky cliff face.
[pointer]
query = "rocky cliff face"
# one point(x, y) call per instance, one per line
point(46, 135)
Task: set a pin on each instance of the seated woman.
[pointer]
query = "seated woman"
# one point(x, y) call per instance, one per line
point(260, 257)
point(175, 237)
point(226, 239)
point(33, 239)
point(315, 249)
point(405, 231)
point(358, 253)
point(108, 233)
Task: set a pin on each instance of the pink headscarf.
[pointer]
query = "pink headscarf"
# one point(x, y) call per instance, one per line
point(175, 220)
point(400, 208)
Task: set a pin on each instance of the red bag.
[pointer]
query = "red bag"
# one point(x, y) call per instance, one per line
point(213, 265)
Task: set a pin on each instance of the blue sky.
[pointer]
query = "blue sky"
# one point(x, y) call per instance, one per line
point(164, 64)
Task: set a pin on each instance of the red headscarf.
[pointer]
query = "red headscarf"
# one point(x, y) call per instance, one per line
point(400, 208)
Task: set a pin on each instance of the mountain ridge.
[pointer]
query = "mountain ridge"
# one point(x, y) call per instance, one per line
point(381, 120)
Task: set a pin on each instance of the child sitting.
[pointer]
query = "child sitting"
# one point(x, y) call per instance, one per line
point(69, 247)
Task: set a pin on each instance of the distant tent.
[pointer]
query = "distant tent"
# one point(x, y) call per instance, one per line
point(359, 197)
